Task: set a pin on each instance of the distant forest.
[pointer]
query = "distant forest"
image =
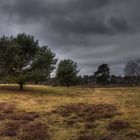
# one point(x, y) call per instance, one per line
point(102, 76)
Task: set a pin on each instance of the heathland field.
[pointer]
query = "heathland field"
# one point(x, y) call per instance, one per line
point(76, 113)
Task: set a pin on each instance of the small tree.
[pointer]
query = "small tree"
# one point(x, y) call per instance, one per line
point(67, 72)
point(23, 60)
point(102, 75)
point(132, 71)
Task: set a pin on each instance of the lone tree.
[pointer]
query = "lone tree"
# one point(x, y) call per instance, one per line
point(67, 72)
point(102, 75)
point(23, 60)
point(132, 71)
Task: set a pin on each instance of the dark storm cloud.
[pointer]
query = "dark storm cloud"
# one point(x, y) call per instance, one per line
point(89, 31)
point(120, 25)
point(81, 5)
point(40, 8)
point(75, 17)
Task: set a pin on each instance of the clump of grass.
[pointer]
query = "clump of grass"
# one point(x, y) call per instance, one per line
point(35, 131)
point(7, 108)
point(133, 134)
point(118, 125)
point(27, 116)
point(10, 129)
point(106, 138)
point(88, 125)
point(85, 137)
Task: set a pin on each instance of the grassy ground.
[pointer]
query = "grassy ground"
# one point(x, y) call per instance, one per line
point(56, 113)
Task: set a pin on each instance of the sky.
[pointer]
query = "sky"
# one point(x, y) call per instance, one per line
point(90, 32)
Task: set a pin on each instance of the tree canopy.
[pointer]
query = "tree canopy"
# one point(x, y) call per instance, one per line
point(67, 72)
point(103, 74)
point(23, 60)
point(132, 72)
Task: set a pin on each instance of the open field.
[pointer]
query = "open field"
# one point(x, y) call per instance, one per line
point(56, 113)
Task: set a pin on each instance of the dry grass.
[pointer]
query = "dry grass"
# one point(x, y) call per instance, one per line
point(56, 113)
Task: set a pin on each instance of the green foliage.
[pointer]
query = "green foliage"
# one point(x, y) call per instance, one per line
point(67, 72)
point(103, 74)
point(22, 59)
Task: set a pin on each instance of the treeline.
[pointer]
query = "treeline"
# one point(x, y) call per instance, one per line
point(102, 76)
point(24, 61)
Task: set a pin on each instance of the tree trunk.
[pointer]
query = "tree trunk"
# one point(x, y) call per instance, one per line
point(21, 86)
point(68, 85)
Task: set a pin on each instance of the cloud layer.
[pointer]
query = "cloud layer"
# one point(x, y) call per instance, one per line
point(91, 32)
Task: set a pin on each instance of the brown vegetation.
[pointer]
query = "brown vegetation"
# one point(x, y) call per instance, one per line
point(10, 129)
point(118, 125)
point(85, 137)
point(86, 112)
point(27, 116)
point(35, 131)
point(21, 124)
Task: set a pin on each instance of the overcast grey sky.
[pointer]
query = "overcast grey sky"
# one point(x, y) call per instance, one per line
point(91, 32)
